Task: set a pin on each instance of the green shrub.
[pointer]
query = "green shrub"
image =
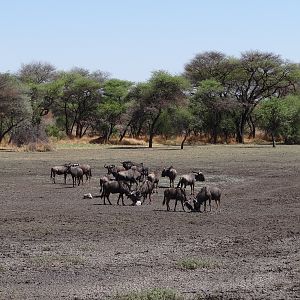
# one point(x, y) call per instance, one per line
point(54, 131)
point(153, 294)
point(193, 264)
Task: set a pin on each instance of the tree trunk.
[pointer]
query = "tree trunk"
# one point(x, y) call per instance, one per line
point(241, 127)
point(151, 140)
point(139, 130)
point(184, 139)
point(152, 127)
point(111, 126)
point(252, 127)
point(273, 140)
point(66, 120)
point(122, 135)
point(214, 135)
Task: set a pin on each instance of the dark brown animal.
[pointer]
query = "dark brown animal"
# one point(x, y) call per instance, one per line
point(190, 179)
point(176, 194)
point(171, 173)
point(207, 194)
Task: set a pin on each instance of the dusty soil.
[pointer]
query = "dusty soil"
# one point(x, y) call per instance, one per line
point(57, 245)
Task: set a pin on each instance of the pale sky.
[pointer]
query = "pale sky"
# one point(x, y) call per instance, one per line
point(132, 38)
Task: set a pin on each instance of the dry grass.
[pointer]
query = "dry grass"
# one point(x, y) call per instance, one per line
point(31, 147)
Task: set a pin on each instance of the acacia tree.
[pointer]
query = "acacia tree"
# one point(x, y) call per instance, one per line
point(77, 102)
point(114, 104)
point(279, 117)
point(14, 105)
point(38, 76)
point(161, 92)
point(259, 76)
point(249, 79)
point(215, 107)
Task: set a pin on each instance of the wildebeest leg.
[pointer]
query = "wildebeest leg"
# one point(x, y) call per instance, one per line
point(192, 189)
point(182, 205)
point(65, 177)
point(175, 205)
point(204, 206)
point(150, 199)
point(123, 199)
point(218, 204)
point(168, 206)
point(107, 196)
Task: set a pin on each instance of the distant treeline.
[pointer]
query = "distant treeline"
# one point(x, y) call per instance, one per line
point(219, 96)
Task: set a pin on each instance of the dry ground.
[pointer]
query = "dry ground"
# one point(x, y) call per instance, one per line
point(57, 245)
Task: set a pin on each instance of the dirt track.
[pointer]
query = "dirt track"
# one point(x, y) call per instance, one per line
point(57, 245)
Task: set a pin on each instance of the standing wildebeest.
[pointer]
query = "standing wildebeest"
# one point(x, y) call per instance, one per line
point(143, 170)
point(190, 179)
point(76, 173)
point(174, 193)
point(153, 177)
point(207, 193)
point(59, 170)
point(105, 178)
point(128, 164)
point(131, 176)
point(115, 187)
point(171, 173)
point(134, 166)
point(114, 169)
point(87, 171)
point(146, 189)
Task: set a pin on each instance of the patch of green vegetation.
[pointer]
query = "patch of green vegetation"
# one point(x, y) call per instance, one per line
point(195, 263)
point(2, 269)
point(153, 294)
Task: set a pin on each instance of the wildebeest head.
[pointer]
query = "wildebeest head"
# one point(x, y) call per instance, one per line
point(199, 176)
point(196, 205)
point(109, 168)
point(134, 196)
point(163, 173)
point(189, 206)
point(128, 164)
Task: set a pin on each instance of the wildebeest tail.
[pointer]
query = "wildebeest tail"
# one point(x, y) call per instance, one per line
point(51, 173)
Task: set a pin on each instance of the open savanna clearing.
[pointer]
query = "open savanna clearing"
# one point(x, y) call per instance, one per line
point(57, 245)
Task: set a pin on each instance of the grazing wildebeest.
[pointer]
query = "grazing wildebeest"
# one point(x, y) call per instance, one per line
point(153, 177)
point(115, 187)
point(207, 193)
point(59, 170)
point(174, 193)
point(190, 179)
point(76, 173)
point(146, 189)
point(171, 173)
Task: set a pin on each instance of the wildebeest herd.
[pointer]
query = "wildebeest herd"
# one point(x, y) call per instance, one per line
point(138, 183)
